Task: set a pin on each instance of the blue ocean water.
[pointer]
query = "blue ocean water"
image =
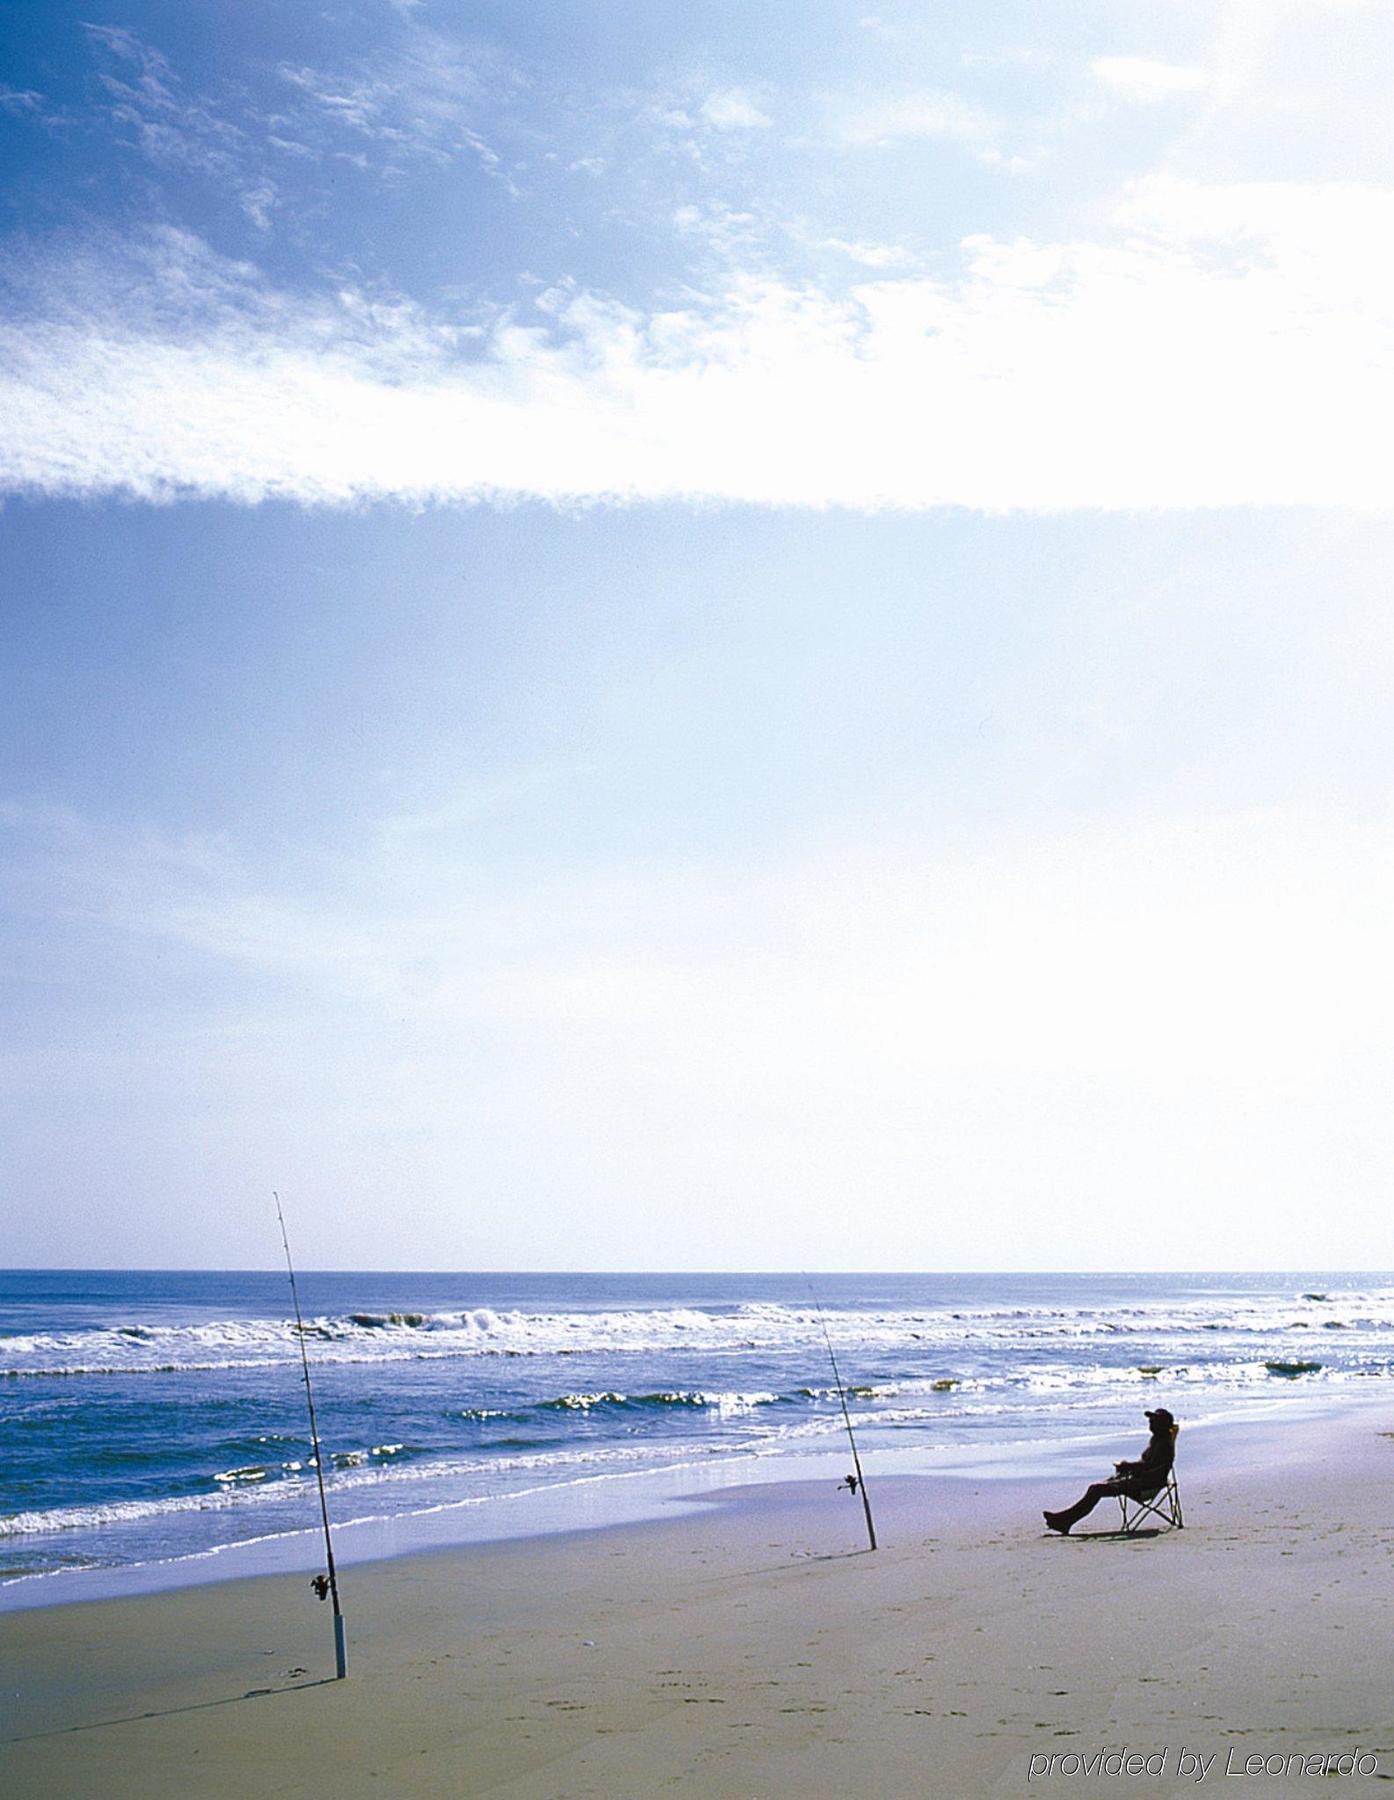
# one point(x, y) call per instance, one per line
point(154, 1416)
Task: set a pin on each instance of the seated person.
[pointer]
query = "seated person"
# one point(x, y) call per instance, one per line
point(1139, 1480)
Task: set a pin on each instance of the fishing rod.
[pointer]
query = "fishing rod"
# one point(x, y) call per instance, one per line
point(856, 1482)
point(320, 1583)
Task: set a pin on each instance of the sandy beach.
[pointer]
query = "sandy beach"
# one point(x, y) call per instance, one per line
point(752, 1649)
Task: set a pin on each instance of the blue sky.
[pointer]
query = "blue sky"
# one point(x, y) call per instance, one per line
point(697, 636)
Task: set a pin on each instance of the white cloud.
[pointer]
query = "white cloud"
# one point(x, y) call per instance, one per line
point(1143, 78)
point(1221, 346)
point(1313, 239)
point(732, 109)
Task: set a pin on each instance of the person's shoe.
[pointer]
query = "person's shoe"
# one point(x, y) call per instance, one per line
point(1057, 1522)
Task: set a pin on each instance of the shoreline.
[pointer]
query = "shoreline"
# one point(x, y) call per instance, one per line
point(617, 1500)
point(752, 1646)
point(162, 1440)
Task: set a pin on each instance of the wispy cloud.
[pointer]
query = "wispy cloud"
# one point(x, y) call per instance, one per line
point(924, 114)
point(174, 128)
point(418, 98)
point(1218, 346)
point(421, 99)
point(21, 100)
point(726, 230)
point(169, 125)
point(932, 115)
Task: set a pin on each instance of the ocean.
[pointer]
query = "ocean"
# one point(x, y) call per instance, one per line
point(158, 1419)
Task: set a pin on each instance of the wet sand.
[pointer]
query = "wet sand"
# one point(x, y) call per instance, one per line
point(753, 1650)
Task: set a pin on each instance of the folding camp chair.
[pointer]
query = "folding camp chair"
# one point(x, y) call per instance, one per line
point(1163, 1504)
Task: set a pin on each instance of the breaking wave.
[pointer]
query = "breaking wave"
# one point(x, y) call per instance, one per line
point(135, 1347)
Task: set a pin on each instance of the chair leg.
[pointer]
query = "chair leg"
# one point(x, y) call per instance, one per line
point(1165, 1507)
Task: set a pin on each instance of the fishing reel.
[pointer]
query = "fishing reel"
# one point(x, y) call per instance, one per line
point(849, 1482)
point(320, 1584)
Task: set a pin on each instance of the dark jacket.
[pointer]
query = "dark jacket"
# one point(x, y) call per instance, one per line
point(1151, 1469)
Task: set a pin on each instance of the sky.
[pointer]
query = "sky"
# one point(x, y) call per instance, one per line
point(696, 636)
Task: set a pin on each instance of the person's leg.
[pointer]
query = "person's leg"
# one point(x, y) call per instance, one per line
point(1062, 1521)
